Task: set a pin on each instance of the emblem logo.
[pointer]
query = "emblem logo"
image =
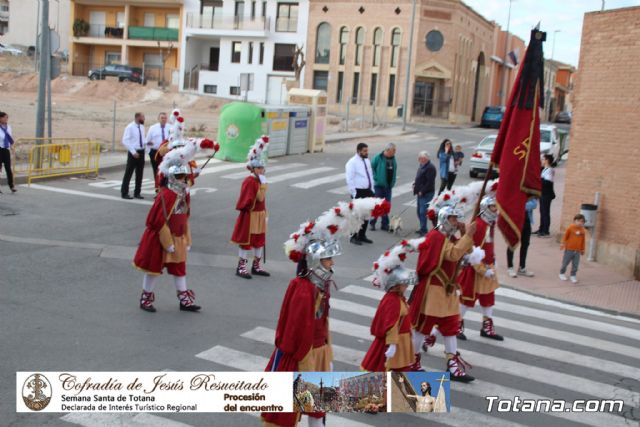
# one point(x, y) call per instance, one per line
point(232, 131)
point(36, 392)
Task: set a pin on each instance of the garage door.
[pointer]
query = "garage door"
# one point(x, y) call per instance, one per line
point(276, 90)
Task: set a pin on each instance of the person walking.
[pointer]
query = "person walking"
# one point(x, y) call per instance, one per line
point(547, 195)
point(360, 184)
point(573, 243)
point(133, 139)
point(384, 179)
point(156, 135)
point(6, 142)
point(445, 157)
point(525, 238)
point(424, 188)
point(454, 165)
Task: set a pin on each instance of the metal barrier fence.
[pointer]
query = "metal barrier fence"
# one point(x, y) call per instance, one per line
point(45, 158)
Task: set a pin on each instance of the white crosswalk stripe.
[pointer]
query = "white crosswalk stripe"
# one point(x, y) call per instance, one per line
point(402, 189)
point(244, 174)
point(319, 181)
point(340, 190)
point(292, 175)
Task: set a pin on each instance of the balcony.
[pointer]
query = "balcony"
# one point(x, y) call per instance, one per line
point(286, 25)
point(4, 15)
point(153, 33)
point(227, 25)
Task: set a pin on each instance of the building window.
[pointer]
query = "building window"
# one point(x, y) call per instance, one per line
point(359, 42)
point(392, 90)
point(395, 47)
point(239, 10)
point(323, 43)
point(234, 90)
point(120, 19)
point(261, 54)
point(377, 42)
point(344, 39)
point(173, 21)
point(287, 18)
point(250, 61)
point(149, 19)
point(212, 89)
point(340, 87)
point(253, 9)
point(264, 9)
point(112, 58)
point(356, 87)
point(434, 40)
point(236, 52)
point(321, 80)
point(283, 57)
point(374, 87)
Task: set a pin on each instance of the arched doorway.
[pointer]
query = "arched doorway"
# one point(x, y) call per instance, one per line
point(478, 87)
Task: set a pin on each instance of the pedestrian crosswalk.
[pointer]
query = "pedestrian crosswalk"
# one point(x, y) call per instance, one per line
point(573, 355)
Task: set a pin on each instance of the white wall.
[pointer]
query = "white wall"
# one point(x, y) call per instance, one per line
point(22, 22)
point(229, 73)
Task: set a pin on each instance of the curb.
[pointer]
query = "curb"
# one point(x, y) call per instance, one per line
point(565, 301)
point(347, 137)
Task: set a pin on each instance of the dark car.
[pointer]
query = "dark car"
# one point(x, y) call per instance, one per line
point(492, 117)
point(563, 117)
point(122, 72)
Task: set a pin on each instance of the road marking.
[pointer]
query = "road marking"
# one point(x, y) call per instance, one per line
point(402, 189)
point(319, 181)
point(413, 203)
point(234, 359)
point(524, 296)
point(292, 175)
point(223, 167)
point(86, 194)
point(525, 327)
point(244, 174)
point(341, 190)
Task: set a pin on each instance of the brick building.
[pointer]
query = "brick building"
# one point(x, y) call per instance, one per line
point(514, 47)
point(604, 135)
point(358, 51)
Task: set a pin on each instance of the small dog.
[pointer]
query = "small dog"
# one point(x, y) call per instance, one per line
point(395, 224)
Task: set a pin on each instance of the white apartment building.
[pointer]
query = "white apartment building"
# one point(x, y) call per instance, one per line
point(21, 21)
point(226, 41)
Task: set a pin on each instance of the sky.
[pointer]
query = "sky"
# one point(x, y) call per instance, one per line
point(563, 15)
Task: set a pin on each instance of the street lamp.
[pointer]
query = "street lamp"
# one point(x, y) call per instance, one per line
point(503, 84)
point(407, 77)
point(553, 45)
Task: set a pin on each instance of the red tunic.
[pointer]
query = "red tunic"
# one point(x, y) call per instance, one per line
point(247, 202)
point(467, 277)
point(150, 256)
point(298, 331)
point(386, 317)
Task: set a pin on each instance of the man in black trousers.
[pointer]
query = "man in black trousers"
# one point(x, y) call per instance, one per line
point(134, 140)
point(359, 177)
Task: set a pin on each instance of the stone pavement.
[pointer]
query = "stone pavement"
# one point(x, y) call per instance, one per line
point(598, 286)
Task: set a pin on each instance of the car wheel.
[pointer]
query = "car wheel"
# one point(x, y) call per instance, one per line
point(93, 77)
point(120, 79)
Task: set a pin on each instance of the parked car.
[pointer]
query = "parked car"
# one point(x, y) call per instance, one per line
point(492, 117)
point(563, 117)
point(122, 72)
point(479, 161)
point(549, 141)
point(10, 50)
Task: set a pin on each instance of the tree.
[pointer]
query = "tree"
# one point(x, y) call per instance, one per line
point(165, 53)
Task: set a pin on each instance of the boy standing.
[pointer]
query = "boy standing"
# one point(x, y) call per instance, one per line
point(573, 246)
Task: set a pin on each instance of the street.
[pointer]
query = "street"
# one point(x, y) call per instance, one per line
point(70, 298)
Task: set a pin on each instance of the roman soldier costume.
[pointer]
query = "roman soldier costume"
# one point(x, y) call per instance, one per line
point(303, 341)
point(392, 347)
point(478, 282)
point(251, 226)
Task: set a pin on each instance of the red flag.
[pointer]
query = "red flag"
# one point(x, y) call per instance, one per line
point(517, 148)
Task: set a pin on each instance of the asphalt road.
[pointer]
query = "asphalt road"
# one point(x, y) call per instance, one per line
point(69, 299)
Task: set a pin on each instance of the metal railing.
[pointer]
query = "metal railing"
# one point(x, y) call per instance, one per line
point(287, 25)
point(50, 157)
point(208, 22)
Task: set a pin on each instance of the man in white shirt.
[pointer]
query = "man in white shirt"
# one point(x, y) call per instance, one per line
point(156, 135)
point(6, 142)
point(359, 177)
point(133, 139)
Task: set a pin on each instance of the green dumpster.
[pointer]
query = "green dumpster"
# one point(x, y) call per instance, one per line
point(240, 126)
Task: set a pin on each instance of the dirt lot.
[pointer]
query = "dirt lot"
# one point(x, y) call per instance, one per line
point(84, 108)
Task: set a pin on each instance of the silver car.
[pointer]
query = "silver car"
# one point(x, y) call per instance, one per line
point(479, 161)
point(549, 141)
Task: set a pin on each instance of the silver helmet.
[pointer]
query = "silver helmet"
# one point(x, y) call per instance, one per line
point(178, 169)
point(443, 219)
point(400, 276)
point(318, 250)
point(486, 213)
point(256, 163)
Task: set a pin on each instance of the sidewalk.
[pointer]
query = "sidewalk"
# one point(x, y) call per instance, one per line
point(599, 286)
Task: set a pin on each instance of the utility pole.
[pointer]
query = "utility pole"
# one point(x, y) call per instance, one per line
point(36, 52)
point(503, 84)
point(405, 107)
point(44, 63)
